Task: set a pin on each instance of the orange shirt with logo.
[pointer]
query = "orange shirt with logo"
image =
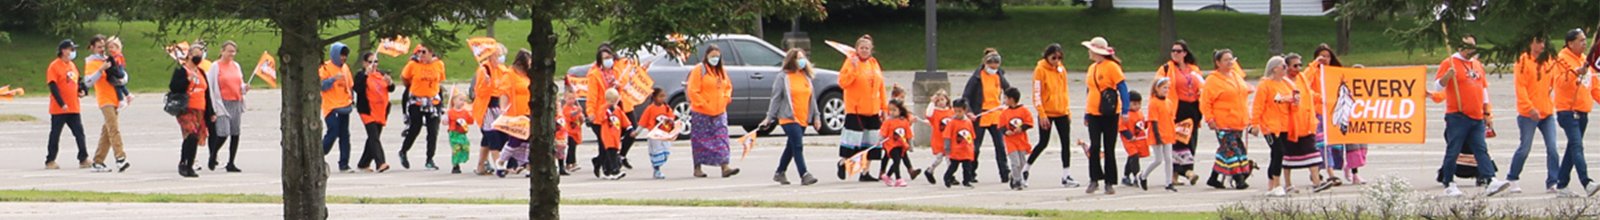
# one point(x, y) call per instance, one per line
point(197, 90)
point(1017, 119)
point(960, 133)
point(896, 133)
point(573, 116)
point(423, 79)
point(460, 118)
point(65, 75)
point(339, 95)
point(1464, 90)
point(657, 115)
point(1104, 75)
point(937, 120)
point(611, 123)
point(1135, 134)
point(710, 91)
point(1050, 92)
point(862, 81)
point(1185, 78)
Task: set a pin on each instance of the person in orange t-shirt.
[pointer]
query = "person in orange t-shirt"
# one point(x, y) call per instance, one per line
point(983, 94)
point(1460, 84)
point(336, 101)
point(190, 81)
point(1104, 79)
point(792, 109)
point(661, 128)
point(572, 121)
point(460, 118)
point(1186, 80)
point(897, 135)
point(98, 69)
point(1224, 102)
point(610, 72)
point(372, 102)
point(1015, 122)
point(62, 78)
point(938, 114)
point(1135, 135)
point(959, 133)
point(1163, 132)
point(611, 121)
point(422, 75)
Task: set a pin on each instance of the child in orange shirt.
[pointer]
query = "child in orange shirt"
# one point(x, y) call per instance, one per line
point(460, 118)
point(938, 114)
point(1163, 131)
point(959, 133)
point(1135, 138)
point(571, 120)
point(660, 124)
point(1017, 120)
point(896, 132)
point(611, 124)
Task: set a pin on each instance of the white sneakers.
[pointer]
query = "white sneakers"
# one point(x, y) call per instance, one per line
point(1068, 182)
point(1277, 192)
point(1590, 189)
point(1452, 191)
point(1515, 188)
point(1496, 187)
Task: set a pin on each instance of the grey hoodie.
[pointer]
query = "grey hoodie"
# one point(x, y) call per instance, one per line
point(781, 107)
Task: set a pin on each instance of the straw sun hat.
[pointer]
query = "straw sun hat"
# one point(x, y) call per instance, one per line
point(1098, 45)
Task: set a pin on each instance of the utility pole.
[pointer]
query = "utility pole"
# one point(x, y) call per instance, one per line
point(930, 79)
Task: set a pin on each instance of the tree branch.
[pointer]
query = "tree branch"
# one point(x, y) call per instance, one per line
point(374, 24)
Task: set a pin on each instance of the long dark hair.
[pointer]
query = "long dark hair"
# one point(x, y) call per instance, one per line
point(1188, 56)
point(524, 61)
point(897, 104)
point(1333, 58)
point(1052, 49)
point(599, 54)
point(706, 60)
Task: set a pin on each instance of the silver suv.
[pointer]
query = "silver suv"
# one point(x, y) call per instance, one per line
point(752, 64)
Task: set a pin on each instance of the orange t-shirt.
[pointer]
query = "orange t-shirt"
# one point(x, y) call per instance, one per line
point(1104, 75)
point(197, 90)
point(339, 95)
point(574, 121)
point(862, 81)
point(104, 93)
point(230, 81)
point(961, 134)
point(1224, 99)
point(378, 99)
point(710, 90)
point(890, 128)
point(657, 115)
point(1571, 94)
point(1186, 80)
point(991, 98)
point(65, 75)
point(1304, 120)
point(423, 79)
point(1269, 114)
point(1533, 86)
point(1135, 134)
point(1464, 92)
point(484, 89)
point(514, 86)
point(1163, 115)
point(611, 124)
point(1018, 119)
point(460, 118)
point(1050, 92)
point(799, 99)
point(937, 120)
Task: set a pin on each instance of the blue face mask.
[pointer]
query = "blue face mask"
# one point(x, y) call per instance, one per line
point(502, 58)
point(801, 63)
point(714, 61)
point(607, 63)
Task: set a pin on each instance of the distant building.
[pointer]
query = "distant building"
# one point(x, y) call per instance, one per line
point(1290, 7)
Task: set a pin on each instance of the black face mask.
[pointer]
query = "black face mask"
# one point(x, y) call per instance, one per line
point(195, 60)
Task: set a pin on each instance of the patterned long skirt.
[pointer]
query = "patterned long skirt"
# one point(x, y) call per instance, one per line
point(1232, 158)
point(710, 136)
point(1302, 153)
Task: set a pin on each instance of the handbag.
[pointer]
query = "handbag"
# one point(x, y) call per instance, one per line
point(175, 103)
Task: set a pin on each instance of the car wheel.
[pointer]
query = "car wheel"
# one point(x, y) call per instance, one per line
point(680, 108)
point(832, 104)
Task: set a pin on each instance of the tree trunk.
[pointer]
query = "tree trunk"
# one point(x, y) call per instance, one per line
point(1342, 43)
point(489, 30)
point(544, 193)
point(1101, 5)
point(1275, 28)
point(305, 175)
point(366, 37)
point(1169, 25)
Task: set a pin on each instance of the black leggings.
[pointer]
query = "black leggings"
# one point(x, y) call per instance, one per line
point(1102, 148)
point(216, 146)
point(417, 119)
point(73, 122)
point(572, 150)
point(898, 156)
point(373, 151)
point(1278, 143)
point(609, 162)
point(968, 171)
point(1063, 128)
point(1187, 111)
point(186, 152)
point(1131, 169)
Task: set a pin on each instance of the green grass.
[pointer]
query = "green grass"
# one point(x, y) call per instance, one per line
point(1022, 37)
point(84, 196)
point(17, 118)
point(26, 57)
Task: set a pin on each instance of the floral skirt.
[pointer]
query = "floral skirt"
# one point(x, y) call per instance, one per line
point(710, 136)
point(193, 124)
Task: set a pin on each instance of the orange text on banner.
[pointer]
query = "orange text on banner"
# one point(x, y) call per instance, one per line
point(1375, 106)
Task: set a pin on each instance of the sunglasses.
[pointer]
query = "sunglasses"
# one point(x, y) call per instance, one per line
point(1179, 51)
point(1055, 57)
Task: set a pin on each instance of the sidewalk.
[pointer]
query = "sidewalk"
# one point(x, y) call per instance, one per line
point(180, 211)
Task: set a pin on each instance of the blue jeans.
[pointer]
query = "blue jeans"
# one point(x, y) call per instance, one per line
point(1461, 131)
point(1552, 158)
point(793, 149)
point(338, 129)
point(1574, 124)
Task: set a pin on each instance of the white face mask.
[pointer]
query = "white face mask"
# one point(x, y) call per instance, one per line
point(607, 63)
point(715, 61)
point(73, 55)
point(992, 70)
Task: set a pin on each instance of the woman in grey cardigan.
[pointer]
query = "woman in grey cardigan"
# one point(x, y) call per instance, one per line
point(793, 108)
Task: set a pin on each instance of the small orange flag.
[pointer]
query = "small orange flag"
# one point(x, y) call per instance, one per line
point(267, 69)
point(394, 47)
